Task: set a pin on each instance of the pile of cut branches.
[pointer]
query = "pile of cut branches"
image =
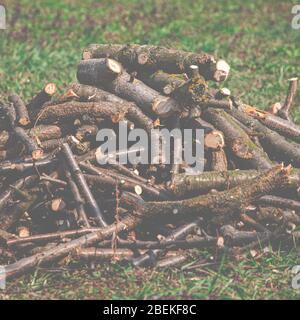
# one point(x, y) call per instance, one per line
point(58, 201)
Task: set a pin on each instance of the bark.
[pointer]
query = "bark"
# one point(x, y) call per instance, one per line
point(42, 97)
point(86, 132)
point(201, 242)
point(7, 196)
point(164, 82)
point(104, 254)
point(171, 261)
point(75, 109)
point(39, 133)
point(52, 144)
point(21, 135)
point(284, 112)
point(92, 94)
point(273, 143)
point(26, 264)
point(265, 183)
point(279, 202)
point(237, 238)
point(225, 202)
point(97, 71)
point(21, 110)
point(193, 91)
point(24, 164)
point(29, 143)
point(146, 57)
point(285, 127)
point(82, 184)
point(135, 90)
point(218, 160)
point(79, 203)
point(247, 153)
point(152, 255)
point(277, 215)
point(105, 178)
point(185, 184)
point(14, 213)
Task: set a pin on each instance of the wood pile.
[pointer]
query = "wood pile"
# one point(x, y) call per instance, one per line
point(56, 201)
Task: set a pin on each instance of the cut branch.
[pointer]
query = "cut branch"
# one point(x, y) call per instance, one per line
point(146, 57)
point(21, 110)
point(80, 180)
point(145, 97)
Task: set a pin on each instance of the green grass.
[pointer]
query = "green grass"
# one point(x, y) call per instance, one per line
point(43, 43)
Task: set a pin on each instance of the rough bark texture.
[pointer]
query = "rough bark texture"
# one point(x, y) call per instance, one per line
point(148, 57)
point(272, 142)
point(132, 89)
point(185, 184)
point(21, 110)
point(82, 184)
point(285, 127)
point(247, 153)
point(284, 112)
point(42, 97)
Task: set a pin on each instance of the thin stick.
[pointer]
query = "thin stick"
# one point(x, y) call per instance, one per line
point(82, 184)
point(284, 112)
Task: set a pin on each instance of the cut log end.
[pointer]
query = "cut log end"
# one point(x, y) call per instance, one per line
point(225, 92)
point(37, 154)
point(222, 70)
point(24, 121)
point(214, 140)
point(50, 88)
point(114, 66)
point(86, 55)
point(194, 71)
point(142, 58)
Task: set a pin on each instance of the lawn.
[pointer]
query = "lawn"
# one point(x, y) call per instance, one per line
point(43, 42)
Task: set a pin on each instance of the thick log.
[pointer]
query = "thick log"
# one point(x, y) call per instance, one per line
point(108, 110)
point(123, 85)
point(185, 184)
point(225, 202)
point(146, 57)
point(246, 152)
point(21, 109)
point(92, 94)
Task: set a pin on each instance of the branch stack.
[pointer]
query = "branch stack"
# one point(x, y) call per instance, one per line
point(56, 200)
